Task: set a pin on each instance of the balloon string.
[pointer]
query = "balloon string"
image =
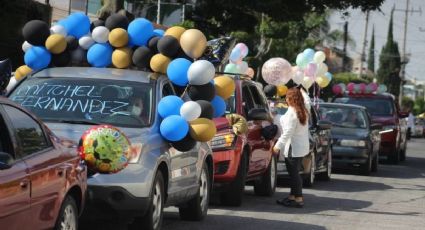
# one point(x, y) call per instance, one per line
point(185, 91)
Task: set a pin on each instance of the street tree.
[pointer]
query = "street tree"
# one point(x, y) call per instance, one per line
point(371, 58)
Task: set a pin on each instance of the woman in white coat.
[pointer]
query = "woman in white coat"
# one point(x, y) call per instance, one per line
point(295, 134)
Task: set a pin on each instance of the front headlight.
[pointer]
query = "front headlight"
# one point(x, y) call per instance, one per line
point(223, 140)
point(353, 143)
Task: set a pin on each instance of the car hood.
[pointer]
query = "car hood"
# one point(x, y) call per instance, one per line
point(340, 132)
point(384, 120)
point(221, 123)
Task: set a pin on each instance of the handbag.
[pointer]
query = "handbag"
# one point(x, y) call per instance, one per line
point(269, 132)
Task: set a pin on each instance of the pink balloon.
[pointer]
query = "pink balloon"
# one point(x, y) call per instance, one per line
point(311, 69)
point(243, 48)
point(250, 72)
point(350, 87)
point(337, 89)
point(362, 87)
point(374, 86)
point(277, 71)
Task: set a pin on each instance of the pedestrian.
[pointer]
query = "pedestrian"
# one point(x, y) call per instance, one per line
point(410, 124)
point(294, 133)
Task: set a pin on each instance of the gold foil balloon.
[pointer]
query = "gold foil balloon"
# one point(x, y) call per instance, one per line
point(175, 31)
point(193, 42)
point(159, 63)
point(121, 57)
point(22, 71)
point(224, 86)
point(56, 43)
point(118, 37)
point(202, 129)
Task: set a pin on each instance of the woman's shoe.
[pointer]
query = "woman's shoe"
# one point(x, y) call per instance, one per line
point(283, 200)
point(293, 204)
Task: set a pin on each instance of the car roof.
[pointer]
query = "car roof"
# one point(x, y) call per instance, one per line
point(348, 106)
point(99, 73)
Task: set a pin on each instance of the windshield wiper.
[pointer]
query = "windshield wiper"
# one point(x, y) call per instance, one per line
point(82, 122)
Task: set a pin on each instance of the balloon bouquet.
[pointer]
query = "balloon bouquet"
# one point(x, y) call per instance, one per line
point(177, 52)
point(362, 88)
point(237, 65)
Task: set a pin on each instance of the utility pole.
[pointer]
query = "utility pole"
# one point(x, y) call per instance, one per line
point(404, 59)
point(158, 13)
point(364, 45)
point(344, 59)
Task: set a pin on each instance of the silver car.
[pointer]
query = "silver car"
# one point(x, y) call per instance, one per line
point(70, 100)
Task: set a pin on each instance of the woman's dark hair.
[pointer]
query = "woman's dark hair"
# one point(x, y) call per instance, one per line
point(296, 100)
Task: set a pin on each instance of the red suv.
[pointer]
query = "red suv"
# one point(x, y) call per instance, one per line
point(42, 180)
point(384, 110)
point(247, 157)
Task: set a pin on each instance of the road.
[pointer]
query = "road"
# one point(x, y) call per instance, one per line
point(393, 198)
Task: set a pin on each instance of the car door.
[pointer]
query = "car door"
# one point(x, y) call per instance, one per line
point(321, 137)
point(183, 164)
point(47, 173)
point(14, 181)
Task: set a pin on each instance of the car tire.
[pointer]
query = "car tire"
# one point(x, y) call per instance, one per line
point(326, 175)
point(311, 176)
point(266, 186)
point(196, 208)
point(234, 193)
point(153, 217)
point(375, 163)
point(366, 168)
point(68, 215)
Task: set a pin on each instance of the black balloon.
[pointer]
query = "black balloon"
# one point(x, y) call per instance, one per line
point(201, 92)
point(169, 46)
point(71, 43)
point(182, 54)
point(153, 44)
point(36, 32)
point(184, 145)
point(61, 60)
point(142, 56)
point(206, 108)
point(116, 21)
point(96, 23)
point(270, 90)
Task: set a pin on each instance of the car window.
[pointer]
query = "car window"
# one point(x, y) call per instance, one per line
point(344, 116)
point(105, 101)
point(231, 104)
point(257, 97)
point(29, 133)
point(5, 142)
point(247, 99)
point(375, 106)
point(167, 90)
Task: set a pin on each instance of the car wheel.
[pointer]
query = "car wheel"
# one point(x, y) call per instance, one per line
point(196, 209)
point(375, 163)
point(234, 193)
point(266, 186)
point(367, 167)
point(328, 173)
point(68, 215)
point(153, 218)
point(310, 177)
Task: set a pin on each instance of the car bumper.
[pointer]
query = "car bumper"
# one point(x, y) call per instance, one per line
point(349, 156)
point(225, 165)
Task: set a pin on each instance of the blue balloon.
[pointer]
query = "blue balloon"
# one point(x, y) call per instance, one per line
point(308, 54)
point(140, 31)
point(159, 32)
point(219, 106)
point(76, 24)
point(328, 75)
point(235, 55)
point(100, 55)
point(169, 105)
point(37, 57)
point(177, 71)
point(174, 128)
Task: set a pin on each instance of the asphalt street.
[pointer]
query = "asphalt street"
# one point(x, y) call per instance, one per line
point(393, 198)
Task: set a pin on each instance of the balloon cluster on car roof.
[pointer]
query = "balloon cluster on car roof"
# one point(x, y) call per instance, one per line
point(117, 42)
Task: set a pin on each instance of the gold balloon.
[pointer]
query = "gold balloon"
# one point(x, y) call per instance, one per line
point(224, 86)
point(281, 90)
point(202, 129)
point(121, 57)
point(193, 43)
point(118, 37)
point(22, 71)
point(175, 31)
point(159, 63)
point(322, 81)
point(56, 43)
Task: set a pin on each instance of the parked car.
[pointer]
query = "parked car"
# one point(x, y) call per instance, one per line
point(42, 179)
point(419, 128)
point(319, 161)
point(356, 139)
point(246, 157)
point(384, 110)
point(72, 99)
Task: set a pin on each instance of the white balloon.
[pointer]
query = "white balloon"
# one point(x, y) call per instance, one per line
point(100, 34)
point(322, 68)
point(242, 67)
point(190, 110)
point(319, 57)
point(307, 82)
point(26, 46)
point(58, 29)
point(298, 77)
point(78, 56)
point(86, 42)
point(200, 72)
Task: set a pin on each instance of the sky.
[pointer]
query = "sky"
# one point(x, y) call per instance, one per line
point(415, 40)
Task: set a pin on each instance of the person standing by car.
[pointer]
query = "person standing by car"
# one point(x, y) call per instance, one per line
point(294, 132)
point(410, 124)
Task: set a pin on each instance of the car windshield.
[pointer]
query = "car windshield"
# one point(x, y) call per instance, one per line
point(375, 106)
point(343, 117)
point(87, 101)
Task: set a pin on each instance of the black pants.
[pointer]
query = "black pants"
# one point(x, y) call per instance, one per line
point(409, 133)
point(293, 165)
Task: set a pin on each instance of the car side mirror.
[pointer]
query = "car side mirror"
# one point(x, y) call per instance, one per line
point(258, 114)
point(5, 161)
point(376, 126)
point(403, 114)
point(324, 125)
